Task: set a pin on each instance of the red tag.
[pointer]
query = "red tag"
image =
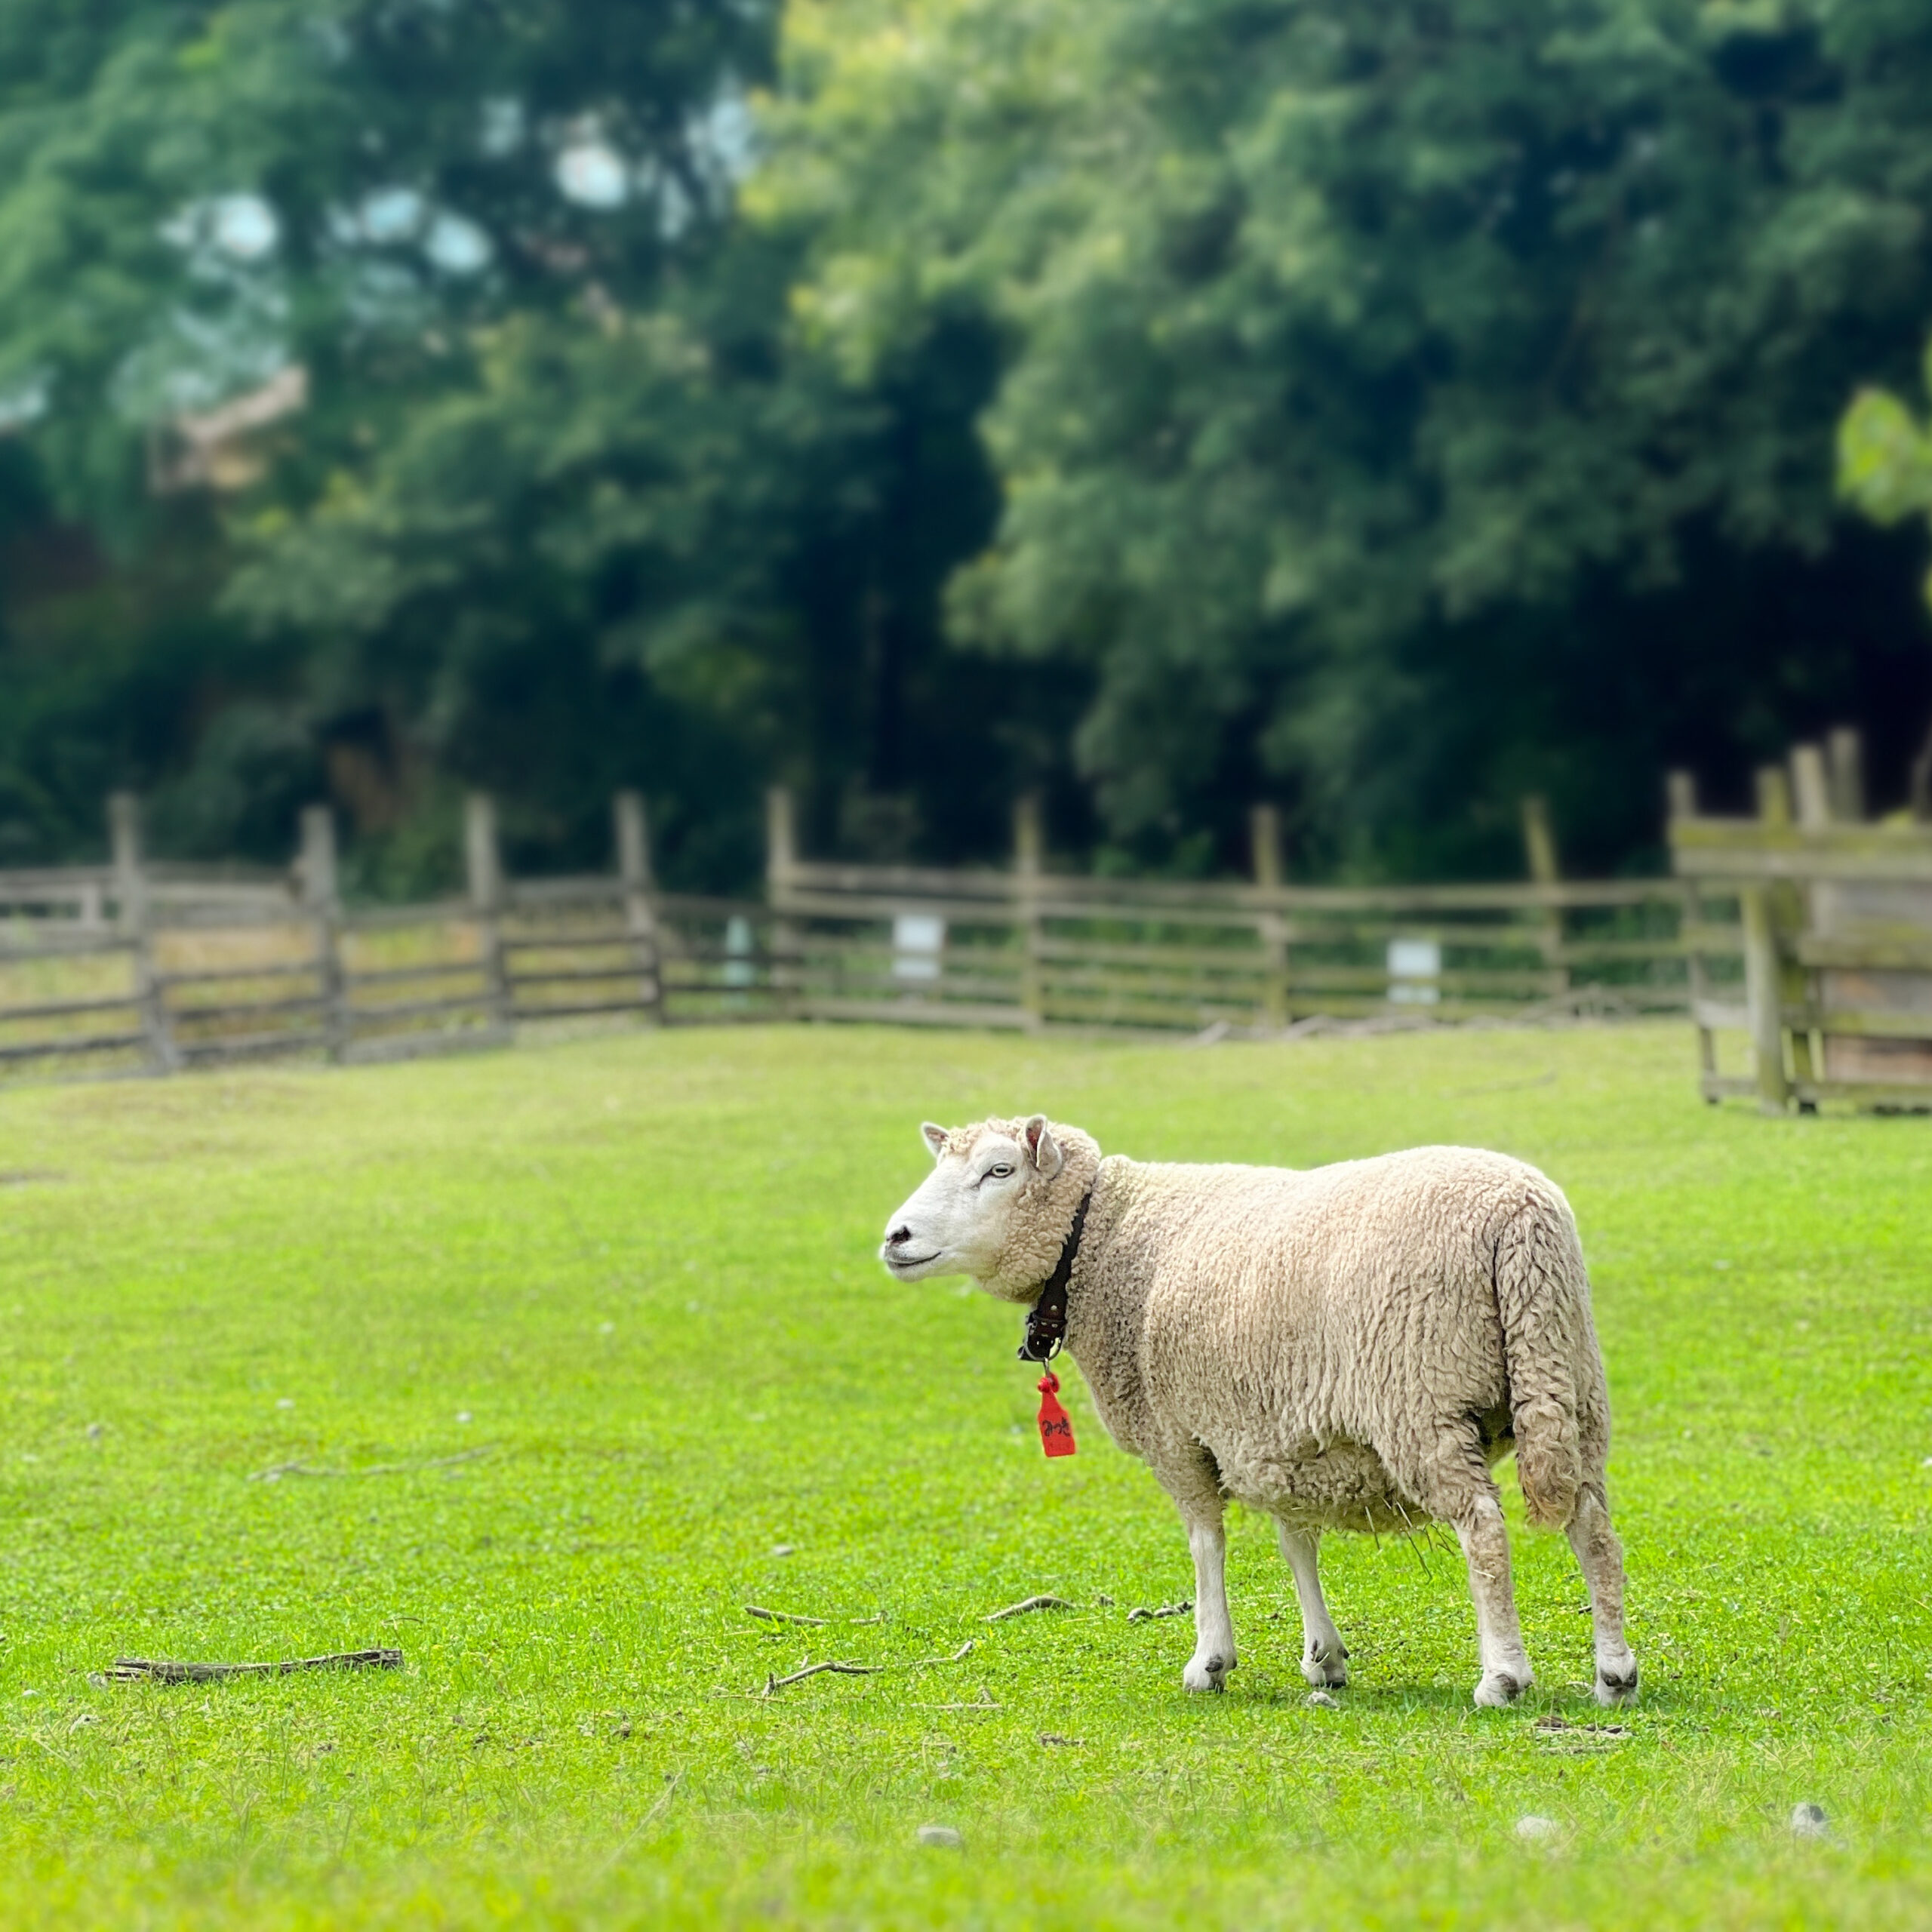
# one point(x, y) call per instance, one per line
point(1056, 1429)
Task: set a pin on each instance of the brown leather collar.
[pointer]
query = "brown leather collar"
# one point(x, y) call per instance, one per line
point(1046, 1320)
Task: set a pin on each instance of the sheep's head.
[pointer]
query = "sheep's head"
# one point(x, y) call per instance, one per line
point(996, 1205)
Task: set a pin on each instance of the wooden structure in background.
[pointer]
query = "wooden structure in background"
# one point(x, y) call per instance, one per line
point(136, 966)
point(1836, 914)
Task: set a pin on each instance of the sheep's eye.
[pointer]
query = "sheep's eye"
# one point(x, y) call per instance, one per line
point(999, 1173)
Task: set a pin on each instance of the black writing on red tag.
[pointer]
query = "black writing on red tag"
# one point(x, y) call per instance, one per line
point(1056, 1426)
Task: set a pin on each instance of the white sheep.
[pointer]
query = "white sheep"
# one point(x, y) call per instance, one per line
point(1347, 1347)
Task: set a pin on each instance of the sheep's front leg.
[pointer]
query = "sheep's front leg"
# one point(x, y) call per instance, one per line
point(1323, 1657)
point(1214, 1629)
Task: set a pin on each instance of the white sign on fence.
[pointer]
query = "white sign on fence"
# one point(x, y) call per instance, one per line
point(917, 939)
point(740, 969)
point(1415, 972)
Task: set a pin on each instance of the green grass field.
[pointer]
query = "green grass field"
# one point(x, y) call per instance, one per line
point(635, 1277)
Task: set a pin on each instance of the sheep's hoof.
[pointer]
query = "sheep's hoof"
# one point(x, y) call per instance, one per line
point(1326, 1669)
point(1207, 1673)
point(1617, 1683)
point(1501, 1687)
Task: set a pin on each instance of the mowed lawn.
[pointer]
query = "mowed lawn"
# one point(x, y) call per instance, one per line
point(631, 1282)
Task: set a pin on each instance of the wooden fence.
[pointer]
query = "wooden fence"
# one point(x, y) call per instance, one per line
point(1028, 948)
point(1836, 917)
point(135, 965)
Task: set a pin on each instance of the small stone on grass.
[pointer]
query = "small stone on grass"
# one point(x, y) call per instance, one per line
point(1320, 1700)
point(941, 1838)
point(1532, 1827)
point(1807, 1821)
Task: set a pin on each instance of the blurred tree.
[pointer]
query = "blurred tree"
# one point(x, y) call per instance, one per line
point(1405, 405)
point(285, 240)
point(414, 338)
point(1393, 410)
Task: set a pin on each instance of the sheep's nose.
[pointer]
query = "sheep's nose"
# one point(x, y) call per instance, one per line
point(898, 1237)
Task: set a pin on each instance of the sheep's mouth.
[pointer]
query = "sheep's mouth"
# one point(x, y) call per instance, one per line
point(895, 1262)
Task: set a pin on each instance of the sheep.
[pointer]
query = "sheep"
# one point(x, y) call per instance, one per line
point(1347, 1347)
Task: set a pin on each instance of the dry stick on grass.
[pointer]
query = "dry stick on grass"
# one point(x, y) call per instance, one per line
point(623, 1844)
point(275, 1473)
point(774, 1685)
point(983, 1702)
point(1166, 1610)
point(959, 1655)
point(1031, 1603)
point(137, 1670)
point(783, 1616)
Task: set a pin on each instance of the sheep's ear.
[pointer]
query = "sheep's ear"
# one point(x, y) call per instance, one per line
point(1043, 1148)
point(935, 1137)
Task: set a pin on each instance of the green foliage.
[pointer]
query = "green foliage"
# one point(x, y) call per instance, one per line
point(639, 1267)
point(561, 512)
point(197, 198)
point(1388, 411)
point(1342, 334)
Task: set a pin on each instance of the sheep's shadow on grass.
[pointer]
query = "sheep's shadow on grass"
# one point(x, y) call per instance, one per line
point(1574, 1701)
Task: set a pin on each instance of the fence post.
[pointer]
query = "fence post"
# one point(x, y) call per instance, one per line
point(1844, 751)
point(1029, 862)
point(1680, 802)
point(483, 863)
point(1810, 788)
point(134, 915)
point(1264, 834)
point(1785, 904)
point(640, 919)
point(316, 868)
point(1761, 990)
point(781, 862)
point(1539, 844)
point(1765, 915)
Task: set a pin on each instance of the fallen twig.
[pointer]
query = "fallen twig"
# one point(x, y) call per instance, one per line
point(959, 1655)
point(618, 1850)
point(773, 1685)
point(783, 1616)
point(137, 1670)
point(1145, 1616)
point(275, 1471)
point(1031, 1603)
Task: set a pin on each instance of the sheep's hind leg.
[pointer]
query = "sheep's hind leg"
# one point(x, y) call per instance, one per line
point(1324, 1656)
point(1600, 1556)
point(1457, 1489)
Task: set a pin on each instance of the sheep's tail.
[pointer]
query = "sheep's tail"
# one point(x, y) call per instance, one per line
point(1550, 1351)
